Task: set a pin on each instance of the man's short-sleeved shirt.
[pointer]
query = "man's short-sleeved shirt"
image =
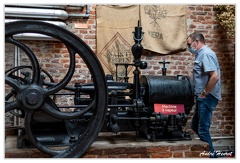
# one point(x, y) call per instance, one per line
point(205, 61)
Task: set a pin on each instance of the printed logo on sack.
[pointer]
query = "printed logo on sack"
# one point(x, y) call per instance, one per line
point(155, 12)
point(117, 51)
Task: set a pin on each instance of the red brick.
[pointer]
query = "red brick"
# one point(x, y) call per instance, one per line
point(90, 156)
point(16, 155)
point(199, 147)
point(95, 151)
point(162, 155)
point(113, 151)
point(157, 149)
point(179, 148)
point(192, 154)
point(136, 150)
point(135, 156)
point(178, 155)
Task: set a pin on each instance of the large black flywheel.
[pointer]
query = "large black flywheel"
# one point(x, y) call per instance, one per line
point(33, 95)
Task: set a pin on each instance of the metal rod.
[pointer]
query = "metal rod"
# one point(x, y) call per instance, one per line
point(83, 106)
point(220, 137)
point(134, 118)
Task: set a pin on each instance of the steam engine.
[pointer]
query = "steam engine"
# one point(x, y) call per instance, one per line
point(155, 107)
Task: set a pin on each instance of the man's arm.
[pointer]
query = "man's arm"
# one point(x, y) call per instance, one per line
point(213, 79)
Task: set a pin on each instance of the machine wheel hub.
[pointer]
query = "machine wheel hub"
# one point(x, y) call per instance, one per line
point(32, 98)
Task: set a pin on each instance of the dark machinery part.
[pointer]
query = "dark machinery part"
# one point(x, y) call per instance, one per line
point(32, 98)
point(101, 105)
point(168, 90)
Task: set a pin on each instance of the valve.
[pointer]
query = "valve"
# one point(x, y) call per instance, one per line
point(164, 69)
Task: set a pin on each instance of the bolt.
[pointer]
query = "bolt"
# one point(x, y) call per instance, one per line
point(32, 98)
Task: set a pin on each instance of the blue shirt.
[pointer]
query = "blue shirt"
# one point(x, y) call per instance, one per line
point(205, 61)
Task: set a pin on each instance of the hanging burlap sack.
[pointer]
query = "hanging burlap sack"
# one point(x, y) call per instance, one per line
point(115, 25)
point(165, 28)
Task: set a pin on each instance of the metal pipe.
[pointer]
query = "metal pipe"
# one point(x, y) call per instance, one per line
point(72, 5)
point(16, 120)
point(58, 23)
point(39, 12)
point(35, 36)
point(78, 16)
point(81, 15)
point(35, 13)
point(63, 7)
point(37, 6)
point(43, 13)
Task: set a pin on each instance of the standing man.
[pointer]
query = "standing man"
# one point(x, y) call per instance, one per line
point(206, 77)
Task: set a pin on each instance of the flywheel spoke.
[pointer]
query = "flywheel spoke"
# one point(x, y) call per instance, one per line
point(11, 105)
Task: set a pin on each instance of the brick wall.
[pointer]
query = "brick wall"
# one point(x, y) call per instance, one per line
point(87, 32)
point(199, 18)
point(181, 150)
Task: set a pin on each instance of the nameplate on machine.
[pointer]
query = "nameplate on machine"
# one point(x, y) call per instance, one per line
point(169, 108)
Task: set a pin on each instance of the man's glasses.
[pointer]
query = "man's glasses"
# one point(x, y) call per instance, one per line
point(192, 43)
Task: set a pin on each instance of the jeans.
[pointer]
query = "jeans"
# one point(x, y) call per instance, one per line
point(202, 118)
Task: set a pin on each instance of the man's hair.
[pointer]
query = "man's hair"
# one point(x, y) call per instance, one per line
point(197, 36)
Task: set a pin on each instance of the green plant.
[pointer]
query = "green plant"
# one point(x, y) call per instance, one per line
point(226, 17)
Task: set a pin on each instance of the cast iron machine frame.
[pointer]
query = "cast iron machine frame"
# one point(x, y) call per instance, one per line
point(100, 105)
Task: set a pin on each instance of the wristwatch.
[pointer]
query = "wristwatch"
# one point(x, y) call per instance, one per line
point(204, 93)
